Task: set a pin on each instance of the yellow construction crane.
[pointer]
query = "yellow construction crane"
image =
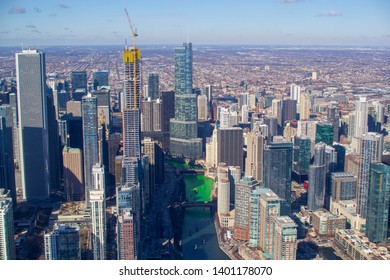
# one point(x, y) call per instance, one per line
point(134, 51)
point(133, 30)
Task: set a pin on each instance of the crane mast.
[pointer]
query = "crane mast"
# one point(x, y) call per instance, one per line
point(134, 51)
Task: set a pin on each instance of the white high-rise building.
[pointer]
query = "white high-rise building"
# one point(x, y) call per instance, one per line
point(371, 150)
point(252, 101)
point(380, 111)
point(211, 150)
point(223, 190)
point(202, 107)
point(7, 243)
point(307, 128)
point(361, 111)
point(244, 114)
point(295, 92)
point(98, 213)
point(224, 118)
point(304, 106)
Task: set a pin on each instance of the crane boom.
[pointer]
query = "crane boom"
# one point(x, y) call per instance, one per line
point(133, 29)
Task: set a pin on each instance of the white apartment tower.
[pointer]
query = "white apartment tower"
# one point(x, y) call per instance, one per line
point(98, 213)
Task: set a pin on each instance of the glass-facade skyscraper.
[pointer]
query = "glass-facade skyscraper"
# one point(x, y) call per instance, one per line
point(378, 202)
point(7, 176)
point(324, 133)
point(317, 175)
point(90, 139)
point(153, 86)
point(302, 155)
point(100, 79)
point(277, 171)
point(7, 243)
point(183, 128)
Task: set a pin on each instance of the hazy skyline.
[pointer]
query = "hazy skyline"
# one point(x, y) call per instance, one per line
point(290, 22)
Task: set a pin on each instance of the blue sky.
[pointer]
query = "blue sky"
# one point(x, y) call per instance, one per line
point(291, 22)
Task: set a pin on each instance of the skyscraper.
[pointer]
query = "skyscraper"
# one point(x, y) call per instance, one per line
point(156, 160)
point(7, 243)
point(304, 111)
point(378, 202)
point(287, 111)
point(371, 150)
point(90, 140)
point(295, 92)
point(234, 178)
point(168, 108)
point(223, 190)
point(73, 174)
point(285, 239)
point(242, 206)
point(324, 133)
point(79, 80)
point(333, 118)
point(63, 243)
point(269, 211)
point(100, 79)
point(254, 231)
point(97, 200)
point(208, 91)
point(127, 235)
point(361, 113)
point(202, 107)
point(230, 146)
point(33, 124)
point(302, 155)
point(277, 171)
point(183, 128)
point(131, 109)
point(147, 115)
point(343, 186)
point(254, 159)
point(317, 173)
point(153, 86)
point(7, 176)
point(157, 115)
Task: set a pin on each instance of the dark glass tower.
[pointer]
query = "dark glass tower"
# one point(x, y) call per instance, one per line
point(100, 79)
point(90, 139)
point(277, 171)
point(378, 202)
point(183, 127)
point(7, 177)
point(153, 86)
point(79, 80)
point(324, 133)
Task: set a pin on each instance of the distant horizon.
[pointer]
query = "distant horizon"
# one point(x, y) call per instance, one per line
point(194, 45)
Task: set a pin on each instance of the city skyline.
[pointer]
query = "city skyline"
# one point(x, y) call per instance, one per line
point(274, 22)
point(229, 152)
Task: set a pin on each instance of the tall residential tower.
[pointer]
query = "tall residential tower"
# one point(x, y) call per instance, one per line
point(184, 139)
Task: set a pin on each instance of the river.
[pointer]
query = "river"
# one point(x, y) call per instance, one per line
point(199, 230)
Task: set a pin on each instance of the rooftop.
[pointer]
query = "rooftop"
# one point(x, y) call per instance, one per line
point(362, 243)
